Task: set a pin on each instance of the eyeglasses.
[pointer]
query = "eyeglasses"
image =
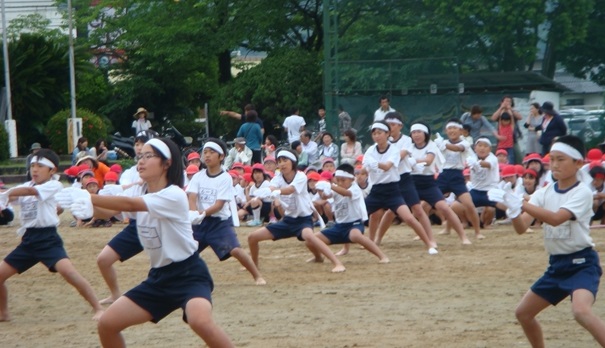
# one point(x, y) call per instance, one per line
point(146, 156)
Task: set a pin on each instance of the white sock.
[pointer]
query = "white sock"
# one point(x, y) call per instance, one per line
point(256, 214)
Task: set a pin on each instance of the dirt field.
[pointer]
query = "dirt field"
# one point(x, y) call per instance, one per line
point(463, 297)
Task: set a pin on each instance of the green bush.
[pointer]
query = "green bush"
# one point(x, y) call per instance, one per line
point(4, 153)
point(93, 128)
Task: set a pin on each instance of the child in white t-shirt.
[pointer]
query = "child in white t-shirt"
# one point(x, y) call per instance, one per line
point(565, 208)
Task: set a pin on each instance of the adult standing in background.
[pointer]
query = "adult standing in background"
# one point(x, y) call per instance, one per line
point(552, 126)
point(344, 120)
point(33, 150)
point(507, 105)
point(385, 108)
point(534, 119)
point(141, 123)
point(242, 118)
point(478, 122)
point(294, 125)
point(252, 133)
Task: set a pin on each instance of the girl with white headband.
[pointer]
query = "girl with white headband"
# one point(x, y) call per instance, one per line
point(455, 150)
point(406, 184)
point(290, 187)
point(565, 208)
point(425, 152)
point(382, 161)
point(40, 241)
point(349, 212)
point(211, 193)
point(178, 276)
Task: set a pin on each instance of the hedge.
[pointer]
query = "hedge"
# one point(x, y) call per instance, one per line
point(93, 128)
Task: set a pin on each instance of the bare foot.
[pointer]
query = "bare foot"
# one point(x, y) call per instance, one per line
point(384, 260)
point(260, 281)
point(443, 232)
point(98, 315)
point(479, 236)
point(317, 260)
point(487, 227)
point(342, 252)
point(339, 269)
point(108, 300)
point(529, 230)
point(466, 241)
point(416, 238)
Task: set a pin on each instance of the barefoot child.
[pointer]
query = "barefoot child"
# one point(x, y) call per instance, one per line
point(289, 187)
point(40, 241)
point(178, 276)
point(210, 193)
point(565, 208)
point(349, 211)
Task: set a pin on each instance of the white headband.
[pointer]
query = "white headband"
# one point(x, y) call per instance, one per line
point(420, 127)
point(566, 149)
point(453, 124)
point(382, 126)
point(160, 146)
point(343, 174)
point(393, 120)
point(214, 146)
point(484, 140)
point(43, 161)
point(288, 155)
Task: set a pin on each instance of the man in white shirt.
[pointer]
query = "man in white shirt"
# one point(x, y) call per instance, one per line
point(310, 147)
point(384, 109)
point(294, 125)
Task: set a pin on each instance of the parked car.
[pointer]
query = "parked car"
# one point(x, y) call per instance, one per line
point(588, 128)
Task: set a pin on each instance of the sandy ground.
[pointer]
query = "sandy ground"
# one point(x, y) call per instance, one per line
point(463, 297)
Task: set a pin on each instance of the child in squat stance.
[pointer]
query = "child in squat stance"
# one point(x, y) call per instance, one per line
point(290, 187)
point(565, 208)
point(210, 193)
point(40, 241)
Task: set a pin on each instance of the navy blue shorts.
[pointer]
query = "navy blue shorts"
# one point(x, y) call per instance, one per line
point(265, 210)
point(384, 196)
point(452, 180)
point(290, 227)
point(126, 243)
point(218, 234)
point(339, 233)
point(408, 190)
point(37, 245)
point(170, 287)
point(567, 273)
point(480, 199)
point(427, 189)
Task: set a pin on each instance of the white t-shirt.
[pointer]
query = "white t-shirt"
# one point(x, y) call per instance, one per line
point(572, 235)
point(40, 210)
point(311, 149)
point(164, 230)
point(403, 143)
point(391, 154)
point(141, 125)
point(254, 188)
point(419, 153)
point(129, 176)
point(293, 123)
point(349, 209)
point(209, 189)
point(380, 114)
point(239, 194)
point(484, 179)
point(299, 202)
point(456, 159)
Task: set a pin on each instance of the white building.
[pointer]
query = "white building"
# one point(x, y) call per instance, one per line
point(46, 8)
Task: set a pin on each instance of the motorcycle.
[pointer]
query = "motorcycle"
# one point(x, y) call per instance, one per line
point(124, 146)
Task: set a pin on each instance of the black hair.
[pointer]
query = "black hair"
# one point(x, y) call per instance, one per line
point(249, 107)
point(512, 100)
point(427, 136)
point(596, 170)
point(220, 143)
point(476, 109)
point(306, 134)
point(351, 135)
point(345, 167)
point(251, 116)
point(294, 110)
point(49, 155)
point(537, 106)
point(295, 144)
point(272, 139)
point(505, 116)
point(294, 163)
point(81, 141)
point(144, 136)
point(384, 97)
point(466, 127)
point(327, 133)
point(574, 142)
point(174, 175)
point(394, 115)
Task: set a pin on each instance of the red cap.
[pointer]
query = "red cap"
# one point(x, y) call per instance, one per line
point(532, 157)
point(269, 159)
point(359, 158)
point(258, 166)
point(237, 165)
point(519, 169)
point(501, 152)
point(327, 159)
point(508, 171)
point(595, 164)
point(92, 181)
point(247, 177)
point(116, 168)
point(71, 171)
point(603, 157)
point(594, 154)
point(530, 172)
point(313, 176)
point(247, 169)
point(192, 169)
point(193, 155)
point(234, 174)
point(546, 159)
point(326, 175)
point(111, 176)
